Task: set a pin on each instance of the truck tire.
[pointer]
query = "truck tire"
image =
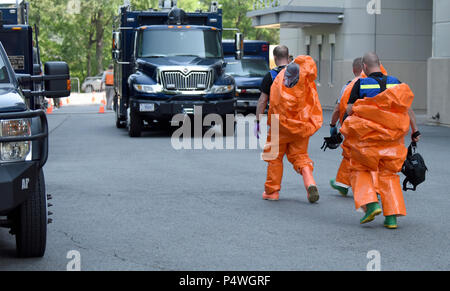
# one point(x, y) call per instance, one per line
point(31, 223)
point(134, 124)
point(119, 123)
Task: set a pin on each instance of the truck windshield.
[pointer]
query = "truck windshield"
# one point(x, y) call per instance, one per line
point(247, 68)
point(170, 43)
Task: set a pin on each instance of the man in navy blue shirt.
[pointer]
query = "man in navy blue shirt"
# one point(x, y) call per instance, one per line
point(281, 56)
point(374, 84)
point(390, 192)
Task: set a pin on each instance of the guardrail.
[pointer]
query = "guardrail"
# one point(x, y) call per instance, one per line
point(79, 86)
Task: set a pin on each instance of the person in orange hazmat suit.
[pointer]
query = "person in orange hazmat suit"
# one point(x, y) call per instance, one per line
point(342, 181)
point(374, 142)
point(296, 111)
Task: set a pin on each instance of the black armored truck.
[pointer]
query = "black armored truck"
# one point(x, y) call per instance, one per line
point(168, 62)
point(24, 150)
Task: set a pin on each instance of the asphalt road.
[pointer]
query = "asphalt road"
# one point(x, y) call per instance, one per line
point(138, 204)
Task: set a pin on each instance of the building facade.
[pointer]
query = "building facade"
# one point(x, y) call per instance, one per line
point(412, 38)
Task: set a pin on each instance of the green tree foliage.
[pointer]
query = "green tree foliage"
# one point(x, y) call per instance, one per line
point(235, 16)
point(83, 39)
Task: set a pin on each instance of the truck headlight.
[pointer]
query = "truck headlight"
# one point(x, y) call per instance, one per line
point(222, 89)
point(148, 88)
point(15, 151)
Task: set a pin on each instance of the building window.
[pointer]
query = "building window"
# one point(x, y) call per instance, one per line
point(308, 45)
point(319, 56)
point(332, 41)
point(332, 56)
point(319, 65)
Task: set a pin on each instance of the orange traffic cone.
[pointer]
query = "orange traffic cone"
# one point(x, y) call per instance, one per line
point(102, 109)
point(93, 99)
point(49, 108)
point(103, 102)
point(68, 101)
point(60, 103)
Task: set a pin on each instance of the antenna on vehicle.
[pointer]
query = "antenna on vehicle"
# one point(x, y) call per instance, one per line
point(214, 6)
point(126, 5)
point(36, 32)
point(27, 8)
point(166, 5)
point(18, 13)
point(239, 45)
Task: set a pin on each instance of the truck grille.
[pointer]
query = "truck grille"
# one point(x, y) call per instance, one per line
point(193, 81)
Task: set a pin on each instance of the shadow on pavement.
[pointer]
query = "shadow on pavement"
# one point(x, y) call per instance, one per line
point(7, 247)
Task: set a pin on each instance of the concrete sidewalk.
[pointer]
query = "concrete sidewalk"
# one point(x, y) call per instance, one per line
point(84, 99)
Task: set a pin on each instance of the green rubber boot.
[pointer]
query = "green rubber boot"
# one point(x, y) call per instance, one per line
point(390, 222)
point(342, 190)
point(373, 210)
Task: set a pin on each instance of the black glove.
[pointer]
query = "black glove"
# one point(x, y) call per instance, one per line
point(415, 135)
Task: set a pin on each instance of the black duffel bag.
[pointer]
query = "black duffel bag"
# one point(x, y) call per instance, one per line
point(414, 168)
point(332, 142)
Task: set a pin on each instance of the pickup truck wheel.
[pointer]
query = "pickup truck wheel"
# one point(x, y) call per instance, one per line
point(134, 124)
point(89, 89)
point(31, 223)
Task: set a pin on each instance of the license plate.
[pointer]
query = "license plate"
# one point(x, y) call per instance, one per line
point(187, 110)
point(147, 107)
point(253, 103)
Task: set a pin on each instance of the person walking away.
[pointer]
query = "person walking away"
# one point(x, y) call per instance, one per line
point(108, 84)
point(379, 118)
point(295, 106)
point(281, 57)
point(342, 181)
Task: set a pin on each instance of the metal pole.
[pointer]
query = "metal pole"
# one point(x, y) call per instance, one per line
point(27, 8)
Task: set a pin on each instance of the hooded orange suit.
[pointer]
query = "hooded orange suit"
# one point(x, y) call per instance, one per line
point(343, 175)
point(298, 113)
point(374, 142)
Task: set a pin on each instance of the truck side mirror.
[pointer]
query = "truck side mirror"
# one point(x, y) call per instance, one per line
point(116, 45)
point(23, 79)
point(239, 45)
point(57, 79)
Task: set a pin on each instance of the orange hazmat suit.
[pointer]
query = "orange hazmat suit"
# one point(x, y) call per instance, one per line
point(298, 114)
point(343, 175)
point(374, 140)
